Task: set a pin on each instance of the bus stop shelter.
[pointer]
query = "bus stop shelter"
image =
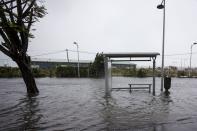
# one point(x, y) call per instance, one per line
point(132, 56)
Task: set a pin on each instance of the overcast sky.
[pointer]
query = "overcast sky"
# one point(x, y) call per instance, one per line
point(116, 26)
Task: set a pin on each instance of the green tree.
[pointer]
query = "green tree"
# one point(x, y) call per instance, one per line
point(97, 67)
point(16, 20)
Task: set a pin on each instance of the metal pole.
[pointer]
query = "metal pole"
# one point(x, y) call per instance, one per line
point(78, 60)
point(67, 55)
point(78, 57)
point(190, 67)
point(154, 76)
point(107, 84)
point(163, 43)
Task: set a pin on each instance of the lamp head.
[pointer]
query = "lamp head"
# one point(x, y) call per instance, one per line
point(194, 43)
point(75, 43)
point(161, 6)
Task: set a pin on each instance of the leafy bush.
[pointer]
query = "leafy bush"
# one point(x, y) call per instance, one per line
point(66, 71)
point(141, 72)
point(9, 72)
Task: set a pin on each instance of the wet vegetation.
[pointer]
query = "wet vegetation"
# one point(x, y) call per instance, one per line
point(8, 72)
point(91, 71)
point(69, 71)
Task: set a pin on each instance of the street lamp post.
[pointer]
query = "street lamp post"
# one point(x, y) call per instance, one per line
point(162, 6)
point(190, 67)
point(67, 55)
point(78, 57)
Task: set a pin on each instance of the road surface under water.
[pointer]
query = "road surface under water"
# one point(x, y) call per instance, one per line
point(79, 104)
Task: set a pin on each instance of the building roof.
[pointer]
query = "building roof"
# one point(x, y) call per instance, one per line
point(59, 60)
point(131, 54)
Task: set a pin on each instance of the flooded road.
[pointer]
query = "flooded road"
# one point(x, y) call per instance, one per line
point(79, 104)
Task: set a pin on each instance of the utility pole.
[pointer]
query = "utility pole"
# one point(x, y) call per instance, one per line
point(67, 55)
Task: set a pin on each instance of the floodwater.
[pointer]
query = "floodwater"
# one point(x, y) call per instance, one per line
point(79, 104)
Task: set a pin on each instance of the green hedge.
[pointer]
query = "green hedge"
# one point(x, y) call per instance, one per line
point(9, 72)
point(69, 71)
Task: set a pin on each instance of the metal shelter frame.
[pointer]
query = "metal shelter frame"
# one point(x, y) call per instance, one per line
point(134, 56)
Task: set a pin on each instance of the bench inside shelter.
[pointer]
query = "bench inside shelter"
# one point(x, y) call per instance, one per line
point(140, 86)
point(135, 87)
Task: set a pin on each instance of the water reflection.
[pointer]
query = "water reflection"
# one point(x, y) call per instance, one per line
point(152, 115)
point(30, 113)
point(107, 112)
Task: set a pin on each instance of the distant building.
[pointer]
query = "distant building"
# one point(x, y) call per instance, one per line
point(52, 63)
point(123, 65)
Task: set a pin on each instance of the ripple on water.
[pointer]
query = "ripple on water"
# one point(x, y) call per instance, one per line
point(79, 104)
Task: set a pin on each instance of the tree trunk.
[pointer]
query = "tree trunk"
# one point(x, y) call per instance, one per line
point(28, 78)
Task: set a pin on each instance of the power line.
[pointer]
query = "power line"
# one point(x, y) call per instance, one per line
point(86, 52)
point(50, 53)
point(180, 54)
point(60, 51)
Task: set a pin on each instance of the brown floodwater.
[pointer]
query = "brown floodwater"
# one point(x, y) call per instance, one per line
point(79, 104)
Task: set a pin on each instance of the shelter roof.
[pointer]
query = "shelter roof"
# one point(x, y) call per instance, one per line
point(131, 54)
